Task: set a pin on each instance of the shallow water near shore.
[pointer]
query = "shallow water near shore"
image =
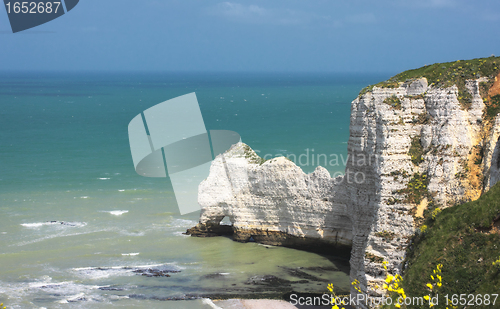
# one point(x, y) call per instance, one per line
point(78, 226)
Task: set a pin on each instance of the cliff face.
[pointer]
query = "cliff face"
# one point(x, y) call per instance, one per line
point(413, 147)
point(427, 148)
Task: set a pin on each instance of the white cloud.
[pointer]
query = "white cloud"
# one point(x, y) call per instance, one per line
point(231, 9)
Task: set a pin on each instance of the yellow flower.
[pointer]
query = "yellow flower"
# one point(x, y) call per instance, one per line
point(439, 277)
point(429, 286)
point(439, 284)
point(432, 277)
point(385, 286)
point(398, 306)
point(426, 297)
point(335, 307)
point(389, 278)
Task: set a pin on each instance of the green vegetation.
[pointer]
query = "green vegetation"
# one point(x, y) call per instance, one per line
point(393, 101)
point(423, 118)
point(392, 201)
point(252, 156)
point(478, 152)
point(497, 264)
point(386, 234)
point(416, 150)
point(484, 87)
point(435, 213)
point(465, 170)
point(374, 258)
point(466, 240)
point(416, 189)
point(447, 74)
point(493, 106)
point(401, 173)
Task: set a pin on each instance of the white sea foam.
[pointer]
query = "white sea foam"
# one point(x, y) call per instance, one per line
point(73, 298)
point(116, 212)
point(131, 254)
point(133, 233)
point(125, 267)
point(65, 292)
point(180, 233)
point(183, 223)
point(47, 284)
point(119, 271)
point(56, 223)
point(24, 243)
point(104, 178)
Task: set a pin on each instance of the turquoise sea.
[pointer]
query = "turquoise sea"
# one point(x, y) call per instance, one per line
point(80, 229)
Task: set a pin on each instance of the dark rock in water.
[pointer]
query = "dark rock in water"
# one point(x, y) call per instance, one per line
point(63, 223)
point(155, 272)
point(109, 288)
point(214, 276)
point(210, 230)
point(322, 268)
point(269, 280)
point(303, 275)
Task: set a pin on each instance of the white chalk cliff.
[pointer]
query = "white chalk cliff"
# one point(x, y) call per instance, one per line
point(275, 202)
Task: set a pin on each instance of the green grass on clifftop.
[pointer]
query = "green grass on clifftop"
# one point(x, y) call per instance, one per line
point(447, 74)
point(466, 240)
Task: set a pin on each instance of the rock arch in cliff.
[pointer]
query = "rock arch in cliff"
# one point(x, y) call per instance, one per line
point(274, 203)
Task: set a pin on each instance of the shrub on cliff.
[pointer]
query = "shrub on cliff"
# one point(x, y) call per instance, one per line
point(493, 106)
point(466, 240)
point(416, 150)
point(393, 101)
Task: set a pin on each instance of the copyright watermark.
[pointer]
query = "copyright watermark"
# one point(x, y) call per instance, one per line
point(354, 163)
point(362, 299)
point(25, 15)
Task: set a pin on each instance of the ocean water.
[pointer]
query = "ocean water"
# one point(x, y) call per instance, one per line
point(79, 228)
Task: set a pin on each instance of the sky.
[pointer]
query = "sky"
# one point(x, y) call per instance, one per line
point(261, 36)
